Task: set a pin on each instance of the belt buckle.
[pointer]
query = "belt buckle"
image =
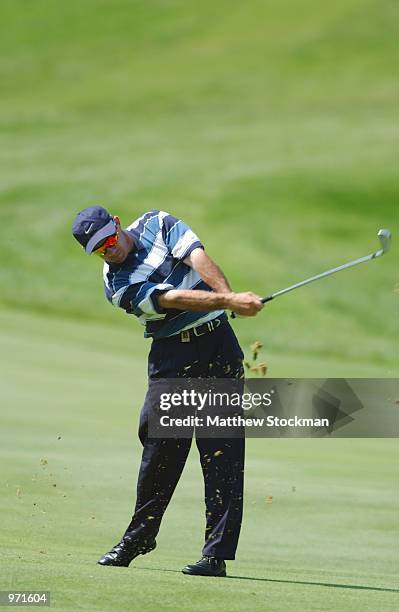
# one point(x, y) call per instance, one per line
point(185, 336)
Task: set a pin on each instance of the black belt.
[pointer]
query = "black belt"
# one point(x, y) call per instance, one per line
point(188, 335)
point(206, 328)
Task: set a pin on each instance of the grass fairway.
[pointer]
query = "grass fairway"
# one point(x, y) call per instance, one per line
point(328, 540)
point(273, 130)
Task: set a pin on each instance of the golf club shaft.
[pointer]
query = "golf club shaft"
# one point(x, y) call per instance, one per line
point(384, 236)
point(314, 278)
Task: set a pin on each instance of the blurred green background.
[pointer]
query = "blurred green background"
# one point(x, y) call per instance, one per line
point(272, 128)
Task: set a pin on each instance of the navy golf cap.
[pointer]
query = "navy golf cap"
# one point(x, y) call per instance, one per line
point(92, 225)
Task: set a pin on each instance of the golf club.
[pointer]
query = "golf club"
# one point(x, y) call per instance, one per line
point(384, 236)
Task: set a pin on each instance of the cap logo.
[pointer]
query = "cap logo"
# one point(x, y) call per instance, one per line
point(88, 230)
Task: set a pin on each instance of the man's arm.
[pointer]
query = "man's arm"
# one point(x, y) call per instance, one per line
point(246, 304)
point(208, 270)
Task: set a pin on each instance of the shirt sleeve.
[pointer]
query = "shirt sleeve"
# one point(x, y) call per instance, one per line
point(141, 298)
point(179, 238)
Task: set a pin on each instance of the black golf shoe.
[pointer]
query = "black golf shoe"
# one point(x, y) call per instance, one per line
point(207, 566)
point(124, 552)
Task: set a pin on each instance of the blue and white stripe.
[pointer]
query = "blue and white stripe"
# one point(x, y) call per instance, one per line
point(155, 266)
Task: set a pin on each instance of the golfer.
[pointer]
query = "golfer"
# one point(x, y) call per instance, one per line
point(157, 269)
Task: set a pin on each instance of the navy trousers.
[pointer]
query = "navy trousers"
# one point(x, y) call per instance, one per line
point(215, 354)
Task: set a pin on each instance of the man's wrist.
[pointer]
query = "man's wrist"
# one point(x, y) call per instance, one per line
point(226, 299)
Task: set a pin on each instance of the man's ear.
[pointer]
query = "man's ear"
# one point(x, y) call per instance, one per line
point(117, 220)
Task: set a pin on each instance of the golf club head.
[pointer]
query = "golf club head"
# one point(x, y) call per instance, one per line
point(384, 236)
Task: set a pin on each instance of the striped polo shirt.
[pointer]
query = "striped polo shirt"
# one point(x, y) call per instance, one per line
point(153, 267)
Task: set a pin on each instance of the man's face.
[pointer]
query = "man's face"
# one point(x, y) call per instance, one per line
point(119, 251)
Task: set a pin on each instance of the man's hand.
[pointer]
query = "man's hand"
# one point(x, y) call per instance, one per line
point(246, 304)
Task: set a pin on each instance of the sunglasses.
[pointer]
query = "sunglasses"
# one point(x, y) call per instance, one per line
point(106, 244)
